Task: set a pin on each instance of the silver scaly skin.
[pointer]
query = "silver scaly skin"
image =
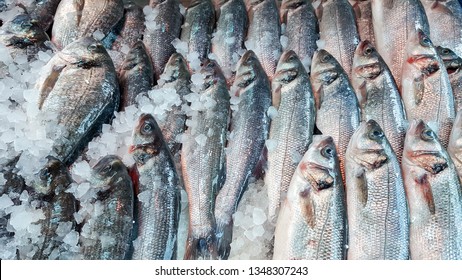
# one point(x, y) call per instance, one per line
point(455, 144)
point(453, 65)
point(434, 195)
point(378, 221)
point(312, 221)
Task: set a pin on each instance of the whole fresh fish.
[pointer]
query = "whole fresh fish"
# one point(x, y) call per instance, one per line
point(301, 28)
point(161, 31)
point(445, 20)
point(114, 224)
point(203, 163)
point(248, 131)
point(58, 207)
point(364, 22)
point(198, 27)
point(434, 196)
point(66, 22)
point(136, 75)
point(395, 21)
point(79, 84)
point(338, 112)
point(228, 40)
point(158, 209)
point(426, 89)
point(264, 33)
point(453, 64)
point(338, 32)
point(378, 221)
point(455, 144)
point(291, 129)
point(378, 95)
point(312, 221)
point(43, 12)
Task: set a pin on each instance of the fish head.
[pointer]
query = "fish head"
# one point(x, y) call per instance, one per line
point(422, 148)
point(325, 69)
point(288, 69)
point(212, 72)
point(24, 31)
point(107, 168)
point(451, 61)
point(368, 146)
point(53, 177)
point(421, 53)
point(175, 68)
point(85, 52)
point(136, 56)
point(366, 62)
point(247, 69)
point(147, 139)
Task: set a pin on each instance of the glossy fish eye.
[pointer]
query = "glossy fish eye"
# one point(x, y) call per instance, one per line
point(425, 42)
point(368, 51)
point(445, 51)
point(147, 128)
point(92, 47)
point(106, 169)
point(375, 134)
point(326, 58)
point(327, 152)
point(427, 135)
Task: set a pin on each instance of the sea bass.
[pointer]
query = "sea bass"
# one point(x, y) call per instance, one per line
point(291, 129)
point(364, 22)
point(453, 64)
point(434, 195)
point(312, 221)
point(455, 144)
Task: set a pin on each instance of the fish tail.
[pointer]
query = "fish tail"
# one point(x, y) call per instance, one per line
point(224, 235)
point(201, 248)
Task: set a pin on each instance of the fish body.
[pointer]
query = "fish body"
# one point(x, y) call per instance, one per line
point(44, 11)
point(453, 65)
point(455, 145)
point(364, 22)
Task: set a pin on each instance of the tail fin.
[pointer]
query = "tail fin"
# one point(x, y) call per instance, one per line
point(201, 248)
point(225, 237)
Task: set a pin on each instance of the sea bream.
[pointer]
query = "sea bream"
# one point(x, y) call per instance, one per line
point(453, 64)
point(43, 12)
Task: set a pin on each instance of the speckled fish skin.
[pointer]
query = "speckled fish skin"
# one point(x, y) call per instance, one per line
point(337, 112)
point(453, 64)
point(378, 220)
point(159, 41)
point(43, 12)
point(158, 215)
point(445, 20)
point(66, 23)
point(426, 89)
point(57, 205)
point(230, 35)
point(249, 128)
point(378, 95)
point(434, 195)
point(338, 31)
point(116, 218)
point(203, 165)
point(80, 85)
point(364, 22)
point(394, 23)
point(455, 144)
point(136, 74)
point(292, 128)
point(179, 78)
point(264, 32)
point(198, 27)
point(312, 221)
point(301, 28)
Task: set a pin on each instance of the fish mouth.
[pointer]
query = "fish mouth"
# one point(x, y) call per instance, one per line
point(318, 166)
point(420, 153)
point(285, 75)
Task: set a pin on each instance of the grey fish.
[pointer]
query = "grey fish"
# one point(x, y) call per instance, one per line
point(158, 209)
point(43, 12)
point(136, 75)
point(158, 37)
point(66, 22)
point(378, 95)
point(338, 31)
point(453, 64)
point(445, 20)
point(249, 129)
point(378, 221)
point(264, 32)
point(364, 22)
point(229, 36)
point(203, 164)
point(302, 28)
point(394, 23)
point(455, 144)
point(80, 85)
point(426, 89)
point(198, 27)
point(312, 221)
point(434, 195)
point(338, 113)
point(114, 224)
point(291, 129)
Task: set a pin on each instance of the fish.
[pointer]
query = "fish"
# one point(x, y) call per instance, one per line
point(291, 129)
point(395, 21)
point(434, 196)
point(198, 27)
point(66, 23)
point(364, 22)
point(445, 20)
point(58, 206)
point(158, 37)
point(43, 12)
point(115, 198)
point(136, 75)
point(158, 200)
point(249, 128)
point(312, 221)
point(453, 64)
point(378, 95)
point(338, 32)
point(426, 89)
point(378, 219)
point(302, 29)
point(79, 85)
point(338, 114)
point(264, 32)
point(203, 163)
point(229, 37)
point(455, 144)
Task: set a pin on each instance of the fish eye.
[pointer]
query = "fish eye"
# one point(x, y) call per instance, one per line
point(445, 51)
point(26, 25)
point(147, 128)
point(212, 64)
point(92, 47)
point(425, 42)
point(106, 169)
point(427, 135)
point(326, 58)
point(291, 58)
point(375, 134)
point(327, 152)
point(44, 174)
point(368, 51)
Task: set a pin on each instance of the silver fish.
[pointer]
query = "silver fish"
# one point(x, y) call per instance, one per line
point(43, 12)
point(455, 144)
point(364, 22)
point(453, 64)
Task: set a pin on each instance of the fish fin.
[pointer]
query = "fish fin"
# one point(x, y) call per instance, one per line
point(201, 248)
point(78, 5)
point(224, 234)
point(319, 11)
point(425, 188)
point(308, 208)
point(49, 83)
point(419, 89)
point(318, 96)
point(362, 94)
point(277, 97)
point(361, 183)
point(357, 10)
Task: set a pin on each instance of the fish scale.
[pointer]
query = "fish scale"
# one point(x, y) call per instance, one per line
point(453, 65)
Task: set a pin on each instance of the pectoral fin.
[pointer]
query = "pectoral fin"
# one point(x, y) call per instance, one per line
point(49, 83)
point(426, 191)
